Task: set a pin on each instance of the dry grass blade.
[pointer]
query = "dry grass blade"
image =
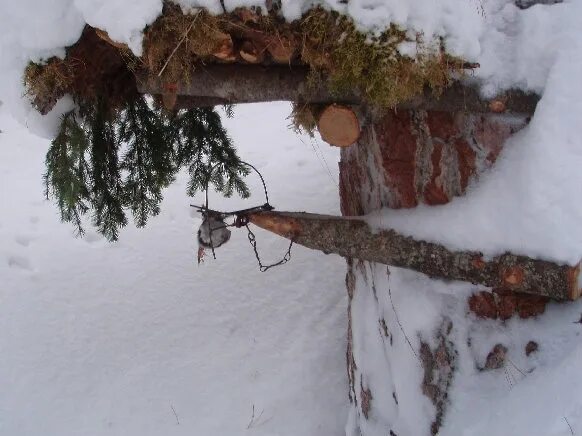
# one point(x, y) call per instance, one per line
point(179, 43)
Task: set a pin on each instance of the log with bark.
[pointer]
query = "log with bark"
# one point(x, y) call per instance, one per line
point(353, 238)
point(237, 83)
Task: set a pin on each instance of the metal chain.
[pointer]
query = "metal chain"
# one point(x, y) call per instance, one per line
point(263, 268)
point(243, 220)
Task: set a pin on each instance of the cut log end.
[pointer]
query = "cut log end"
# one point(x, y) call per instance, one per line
point(281, 49)
point(280, 225)
point(225, 51)
point(252, 54)
point(575, 279)
point(338, 125)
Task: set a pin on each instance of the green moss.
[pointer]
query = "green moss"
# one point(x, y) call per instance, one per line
point(338, 55)
point(349, 59)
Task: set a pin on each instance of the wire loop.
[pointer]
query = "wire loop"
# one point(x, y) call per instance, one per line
point(241, 219)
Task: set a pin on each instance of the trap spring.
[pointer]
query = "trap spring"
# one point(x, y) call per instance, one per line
point(214, 231)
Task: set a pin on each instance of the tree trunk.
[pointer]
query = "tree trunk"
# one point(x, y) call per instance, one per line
point(407, 158)
point(353, 238)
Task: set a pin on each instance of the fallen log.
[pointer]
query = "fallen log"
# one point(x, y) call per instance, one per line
point(238, 83)
point(353, 238)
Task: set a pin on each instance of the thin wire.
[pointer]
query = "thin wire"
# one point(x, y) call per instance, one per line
point(263, 268)
point(313, 141)
point(212, 168)
point(243, 219)
point(400, 325)
point(319, 159)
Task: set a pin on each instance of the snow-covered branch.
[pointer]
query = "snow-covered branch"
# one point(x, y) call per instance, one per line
point(353, 238)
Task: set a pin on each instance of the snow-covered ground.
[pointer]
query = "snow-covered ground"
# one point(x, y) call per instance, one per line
point(111, 339)
point(535, 395)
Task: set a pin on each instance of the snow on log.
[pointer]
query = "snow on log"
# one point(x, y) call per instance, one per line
point(338, 125)
point(353, 238)
point(105, 37)
point(239, 83)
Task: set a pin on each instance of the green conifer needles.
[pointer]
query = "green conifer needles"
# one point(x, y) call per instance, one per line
point(107, 164)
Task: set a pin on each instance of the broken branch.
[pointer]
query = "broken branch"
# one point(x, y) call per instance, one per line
point(353, 238)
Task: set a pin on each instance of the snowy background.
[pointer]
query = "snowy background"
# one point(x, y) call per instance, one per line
point(105, 339)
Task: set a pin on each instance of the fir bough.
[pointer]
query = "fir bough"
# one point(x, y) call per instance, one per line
point(107, 163)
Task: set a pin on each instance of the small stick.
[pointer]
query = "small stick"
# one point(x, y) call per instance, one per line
point(179, 43)
point(566, 419)
point(400, 325)
point(175, 414)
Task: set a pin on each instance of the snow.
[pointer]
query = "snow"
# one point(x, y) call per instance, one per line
point(99, 338)
point(131, 16)
point(531, 395)
point(528, 203)
point(534, 394)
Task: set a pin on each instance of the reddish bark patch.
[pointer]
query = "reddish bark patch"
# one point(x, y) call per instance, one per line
point(350, 184)
point(503, 304)
point(496, 357)
point(430, 157)
point(531, 305)
point(366, 399)
point(507, 306)
point(466, 160)
point(397, 144)
point(483, 305)
point(442, 125)
point(434, 192)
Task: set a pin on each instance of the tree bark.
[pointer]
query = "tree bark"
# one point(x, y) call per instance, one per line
point(236, 83)
point(353, 238)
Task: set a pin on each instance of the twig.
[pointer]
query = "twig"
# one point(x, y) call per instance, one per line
point(516, 367)
point(566, 419)
point(400, 325)
point(179, 43)
point(508, 378)
point(255, 422)
point(175, 414)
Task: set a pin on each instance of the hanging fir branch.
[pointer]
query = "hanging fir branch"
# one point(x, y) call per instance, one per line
point(67, 171)
point(106, 182)
point(107, 161)
point(202, 143)
point(149, 160)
